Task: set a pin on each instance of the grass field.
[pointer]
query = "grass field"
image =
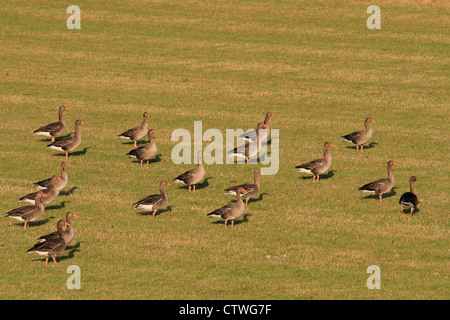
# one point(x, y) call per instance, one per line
point(315, 64)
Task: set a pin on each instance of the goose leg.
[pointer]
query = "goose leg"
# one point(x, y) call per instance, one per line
point(25, 225)
point(362, 148)
point(54, 259)
point(318, 178)
point(412, 209)
point(381, 199)
point(247, 160)
point(135, 143)
point(194, 187)
point(147, 162)
point(226, 223)
point(246, 202)
point(232, 224)
point(357, 147)
point(314, 178)
point(141, 162)
point(154, 213)
point(189, 188)
point(53, 139)
point(46, 260)
point(67, 155)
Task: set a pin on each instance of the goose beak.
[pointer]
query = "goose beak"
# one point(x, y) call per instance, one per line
point(395, 164)
point(66, 108)
point(66, 223)
point(44, 195)
point(82, 122)
point(332, 145)
point(373, 120)
point(59, 178)
point(273, 114)
point(169, 184)
point(243, 190)
point(74, 214)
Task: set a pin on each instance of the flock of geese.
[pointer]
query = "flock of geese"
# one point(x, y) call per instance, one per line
point(53, 244)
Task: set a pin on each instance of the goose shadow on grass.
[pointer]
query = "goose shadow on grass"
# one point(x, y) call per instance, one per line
point(199, 186)
point(324, 176)
point(369, 146)
point(243, 219)
point(72, 154)
point(150, 213)
point(384, 196)
point(68, 192)
point(57, 206)
point(261, 196)
point(37, 223)
point(155, 159)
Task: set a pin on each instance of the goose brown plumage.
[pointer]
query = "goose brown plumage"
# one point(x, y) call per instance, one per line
point(51, 247)
point(252, 189)
point(193, 176)
point(68, 143)
point(60, 184)
point(136, 133)
point(28, 213)
point(51, 194)
point(319, 166)
point(359, 138)
point(146, 152)
point(250, 149)
point(409, 199)
point(67, 234)
point(231, 211)
point(154, 202)
point(54, 129)
point(381, 186)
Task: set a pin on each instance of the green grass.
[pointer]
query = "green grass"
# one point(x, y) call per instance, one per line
point(313, 63)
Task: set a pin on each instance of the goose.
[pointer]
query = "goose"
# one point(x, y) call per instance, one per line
point(250, 149)
point(409, 199)
point(146, 152)
point(51, 194)
point(51, 247)
point(251, 136)
point(60, 184)
point(193, 176)
point(154, 202)
point(28, 213)
point(252, 190)
point(136, 133)
point(381, 186)
point(69, 143)
point(54, 129)
point(67, 234)
point(319, 166)
point(231, 211)
point(360, 137)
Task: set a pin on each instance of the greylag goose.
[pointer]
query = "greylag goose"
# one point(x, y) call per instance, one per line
point(154, 202)
point(359, 138)
point(136, 133)
point(146, 152)
point(409, 199)
point(67, 234)
point(381, 186)
point(252, 190)
point(250, 149)
point(69, 143)
point(51, 194)
point(60, 184)
point(319, 166)
point(193, 176)
point(51, 247)
point(251, 136)
point(54, 129)
point(28, 213)
point(231, 211)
